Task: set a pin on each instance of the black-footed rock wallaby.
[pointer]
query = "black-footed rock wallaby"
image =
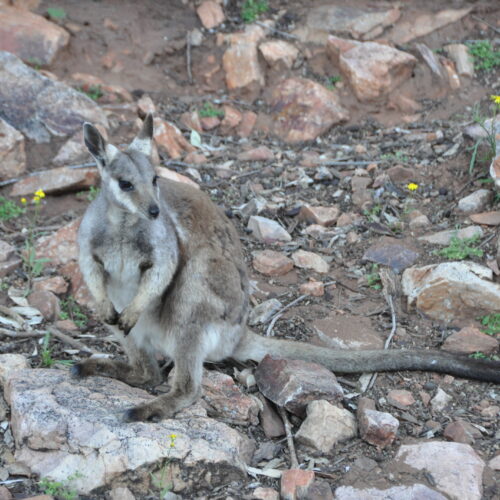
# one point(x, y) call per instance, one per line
point(165, 267)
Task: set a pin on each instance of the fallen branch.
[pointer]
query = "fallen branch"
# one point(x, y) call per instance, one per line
point(294, 462)
point(71, 341)
point(20, 334)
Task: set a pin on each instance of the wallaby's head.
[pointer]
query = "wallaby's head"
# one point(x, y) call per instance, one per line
point(128, 177)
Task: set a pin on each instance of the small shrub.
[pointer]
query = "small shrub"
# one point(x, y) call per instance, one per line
point(460, 249)
point(252, 9)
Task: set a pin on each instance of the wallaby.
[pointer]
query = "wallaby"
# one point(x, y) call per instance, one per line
point(165, 266)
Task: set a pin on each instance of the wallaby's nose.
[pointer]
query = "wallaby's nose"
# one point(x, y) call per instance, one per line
point(154, 211)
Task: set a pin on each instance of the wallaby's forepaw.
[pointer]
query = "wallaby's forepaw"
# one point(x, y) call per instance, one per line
point(128, 319)
point(79, 370)
point(108, 313)
point(147, 412)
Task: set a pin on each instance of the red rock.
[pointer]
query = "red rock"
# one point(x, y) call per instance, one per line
point(302, 110)
point(29, 36)
point(314, 288)
point(495, 170)
point(12, 154)
point(469, 340)
point(210, 14)
point(293, 384)
point(348, 218)
point(461, 432)
point(272, 423)
point(209, 122)
point(60, 247)
point(191, 120)
point(403, 103)
point(295, 482)
point(47, 303)
point(248, 120)
point(265, 494)
point(79, 290)
point(260, 153)
point(486, 218)
point(267, 230)
point(310, 260)
point(400, 398)
point(56, 180)
point(66, 324)
point(324, 216)
point(5, 494)
point(195, 158)
point(56, 285)
point(453, 78)
point(169, 139)
point(171, 175)
point(279, 52)
point(111, 93)
point(376, 427)
point(271, 263)
point(232, 118)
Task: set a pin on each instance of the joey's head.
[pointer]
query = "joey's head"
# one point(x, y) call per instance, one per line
point(129, 180)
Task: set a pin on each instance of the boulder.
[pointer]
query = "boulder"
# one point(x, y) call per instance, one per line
point(12, 154)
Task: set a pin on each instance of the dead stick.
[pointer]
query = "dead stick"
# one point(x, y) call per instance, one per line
point(20, 335)
point(294, 462)
point(71, 341)
point(281, 311)
point(188, 58)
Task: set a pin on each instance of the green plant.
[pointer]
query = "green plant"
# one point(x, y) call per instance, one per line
point(491, 322)
point(46, 352)
point(93, 91)
point(59, 489)
point(332, 81)
point(252, 9)
point(478, 355)
point(398, 156)
point(209, 110)
point(90, 195)
point(373, 278)
point(9, 210)
point(160, 479)
point(373, 212)
point(71, 310)
point(34, 63)
point(56, 13)
point(485, 56)
point(489, 139)
point(460, 249)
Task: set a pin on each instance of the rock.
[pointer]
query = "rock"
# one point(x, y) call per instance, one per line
point(440, 400)
point(469, 340)
point(376, 427)
point(456, 468)
point(191, 120)
point(392, 252)
point(463, 60)
point(209, 122)
point(225, 400)
point(271, 422)
point(495, 162)
point(241, 61)
point(145, 105)
point(444, 237)
point(111, 94)
point(476, 201)
point(494, 463)
point(302, 110)
point(7, 251)
point(265, 494)
point(260, 153)
point(325, 426)
point(400, 398)
point(373, 70)
point(295, 483)
point(232, 118)
point(56, 181)
point(170, 139)
point(338, 331)
point(413, 492)
point(293, 383)
point(172, 175)
point(451, 290)
point(30, 37)
point(271, 263)
point(61, 246)
point(419, 222)
point(279, 52)
point(10, 363)
point(486, 218)
point(79, 290)
point(360, 192)
point(423, 24)
point(461, 432)
point(398, 173)
point(47, 303)
point(477, 131)
point(319, 490)
point(56, 285)
point(12, 154)
point(72, 151)
point(360, 23)
point(310, 260)
point(40, 105)
point(262, 313)
point(7, 266)
point(63, 425)
point(324, 216)
point(314, 288)
point(267, 230)
point(6, 495)
point(210, 14)
point(121, 494)
point(403, 103)
point(247, 124)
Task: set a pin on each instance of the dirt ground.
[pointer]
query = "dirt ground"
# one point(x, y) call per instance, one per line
point(155, 32)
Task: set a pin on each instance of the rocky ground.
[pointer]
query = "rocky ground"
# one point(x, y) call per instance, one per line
point(353, 145)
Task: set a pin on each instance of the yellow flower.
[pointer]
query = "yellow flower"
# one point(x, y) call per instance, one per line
point(36, 200)
point(40, 193)
point(412, 186)
point(495, 99)
point(173, 436)
point(24, 201)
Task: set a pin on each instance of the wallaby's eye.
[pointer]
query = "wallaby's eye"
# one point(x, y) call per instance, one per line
point(155, 180)
point(125, 185)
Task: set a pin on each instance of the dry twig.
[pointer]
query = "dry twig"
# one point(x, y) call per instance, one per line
point(294, 462)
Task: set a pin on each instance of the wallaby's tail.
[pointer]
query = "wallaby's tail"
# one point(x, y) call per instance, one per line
point(255, 347)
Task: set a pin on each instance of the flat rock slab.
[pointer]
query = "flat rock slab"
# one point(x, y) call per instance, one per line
point(64, 426)
point(38, 106)
point(414, 492)
point(392, 252)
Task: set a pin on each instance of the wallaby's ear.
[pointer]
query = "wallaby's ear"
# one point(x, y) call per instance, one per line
point(144, 139)
point(102, 152)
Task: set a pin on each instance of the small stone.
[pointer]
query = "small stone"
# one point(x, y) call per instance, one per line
point(392, 252)
point(209, 122)
point(67, 324)
point(293, 383)
point(122, 493)
point(9, 364)
point(348, 218)
point(314, 288)
point(461, 432)
point(5, 493)
point(444, 237)
point(325, 426)
point(324, 216)
point(210, 14)
point(12, 154)
point(440, 400)
point(413, 492)
point(56, 284)
point(277, 52)
point(172, 175)
point(400, 398)
point(195, 159)
point(475, 202)
point(47, 303)
point(310, 260)
point(469, 340)
point(494, 463)
point(61, 246)
point(272, 423)
point(261, 153)
point(376, 427)
point(170, 139)
point(360, 192)
point(486, 218)
point(267, 230)
point(264, 312)
point(419, 222)
point(490, 411)
point(191, 120)
point(271, 263)
point(232, 118)
point(247, 124)
point(295, 483)
point(7, 251)
point(265, 494)
point(462, 58)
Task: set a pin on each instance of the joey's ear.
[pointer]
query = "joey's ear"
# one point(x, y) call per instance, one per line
point(102, 152)
point(144, 139)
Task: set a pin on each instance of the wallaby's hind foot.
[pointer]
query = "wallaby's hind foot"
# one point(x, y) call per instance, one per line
point(146, 375)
